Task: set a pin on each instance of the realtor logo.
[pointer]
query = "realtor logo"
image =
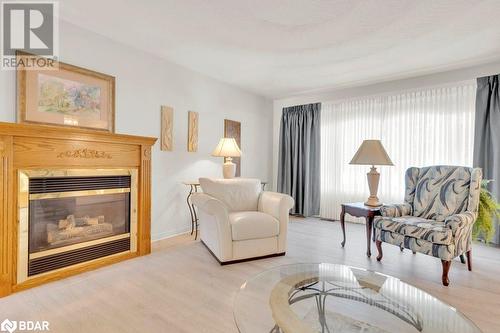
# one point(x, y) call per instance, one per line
point(8, 326)
point(29, 27)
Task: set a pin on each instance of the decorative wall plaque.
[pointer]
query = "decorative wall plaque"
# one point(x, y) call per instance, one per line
point(192, 131)
point(167, 125)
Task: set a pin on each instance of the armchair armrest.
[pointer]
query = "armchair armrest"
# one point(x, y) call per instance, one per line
point(277, 205)
point(396, 210)
point(459, 221)
point(214, 225)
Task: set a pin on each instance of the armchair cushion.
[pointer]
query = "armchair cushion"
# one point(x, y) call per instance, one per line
point(442, 251)
point(252, 225)
point(238, 194)
point(416, 227)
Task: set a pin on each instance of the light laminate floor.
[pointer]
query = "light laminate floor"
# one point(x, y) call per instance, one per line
point(181, 288)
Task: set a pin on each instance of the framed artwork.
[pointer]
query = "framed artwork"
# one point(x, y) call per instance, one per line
point(68, 96)
point(232, 129)
point(192, 131)
point(167, 128)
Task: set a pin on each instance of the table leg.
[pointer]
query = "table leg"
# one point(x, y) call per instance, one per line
point(342, 224)
point(369, 228)
point(373, 232)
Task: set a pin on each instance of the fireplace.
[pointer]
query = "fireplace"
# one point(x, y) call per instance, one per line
point(69, 217)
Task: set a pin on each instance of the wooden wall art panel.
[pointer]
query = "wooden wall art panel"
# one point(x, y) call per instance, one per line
point(192, 131)
point(167, 128)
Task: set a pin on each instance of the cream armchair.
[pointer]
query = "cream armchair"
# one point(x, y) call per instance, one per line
point(239, 221)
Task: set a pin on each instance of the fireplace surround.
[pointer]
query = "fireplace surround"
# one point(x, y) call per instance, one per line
point(68, 217)
point(71, 200)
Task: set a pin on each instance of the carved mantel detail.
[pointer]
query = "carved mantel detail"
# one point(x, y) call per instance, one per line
point(85, 153)
point(147, 154)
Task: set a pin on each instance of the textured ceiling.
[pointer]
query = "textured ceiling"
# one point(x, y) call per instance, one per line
point(277, 48)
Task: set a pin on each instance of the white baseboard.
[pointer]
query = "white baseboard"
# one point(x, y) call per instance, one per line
point(167, 235)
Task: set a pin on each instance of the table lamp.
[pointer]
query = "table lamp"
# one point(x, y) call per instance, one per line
point(371, 152)
point(227, 148)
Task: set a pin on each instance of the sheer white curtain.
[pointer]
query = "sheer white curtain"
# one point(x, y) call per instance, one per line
point(418, 128)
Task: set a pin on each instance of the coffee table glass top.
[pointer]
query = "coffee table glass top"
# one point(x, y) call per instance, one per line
point(309, 298)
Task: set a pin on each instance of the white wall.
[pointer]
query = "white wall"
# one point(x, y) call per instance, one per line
point(143, 83)
point(470, 73)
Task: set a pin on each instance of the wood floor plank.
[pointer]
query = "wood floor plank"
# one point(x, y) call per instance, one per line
point(181, 288)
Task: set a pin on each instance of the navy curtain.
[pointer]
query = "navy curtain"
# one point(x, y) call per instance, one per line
point(487, 134)
point(299, 157)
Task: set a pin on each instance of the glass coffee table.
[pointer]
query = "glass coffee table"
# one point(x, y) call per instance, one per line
point(309, 298)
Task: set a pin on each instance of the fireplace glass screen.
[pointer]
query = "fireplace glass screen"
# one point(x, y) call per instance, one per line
point(72, 217)
point(61, 221)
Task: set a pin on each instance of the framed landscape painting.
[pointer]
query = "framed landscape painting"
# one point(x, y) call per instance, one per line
point(67, 96)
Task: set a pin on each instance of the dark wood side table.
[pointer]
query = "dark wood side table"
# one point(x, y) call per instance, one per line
point(359, 209)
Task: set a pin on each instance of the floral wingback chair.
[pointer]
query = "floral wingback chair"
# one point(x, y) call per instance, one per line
point(440, 208)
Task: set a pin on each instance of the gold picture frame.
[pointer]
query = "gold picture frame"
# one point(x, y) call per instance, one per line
point(69, 96)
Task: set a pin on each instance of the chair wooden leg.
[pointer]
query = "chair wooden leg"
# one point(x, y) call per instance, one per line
point(469, 259)
point(446, 268)
point(462, 259)
point(378, 244)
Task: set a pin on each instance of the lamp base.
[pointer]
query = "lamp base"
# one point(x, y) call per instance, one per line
point(373, 202)
point(229, 169)
point(373, 178)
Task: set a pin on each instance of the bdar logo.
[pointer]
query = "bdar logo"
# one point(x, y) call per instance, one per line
point(8, 326)
point(24, 325)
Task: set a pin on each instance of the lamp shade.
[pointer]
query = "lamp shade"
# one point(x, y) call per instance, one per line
point(227, 147)
point(371, 152)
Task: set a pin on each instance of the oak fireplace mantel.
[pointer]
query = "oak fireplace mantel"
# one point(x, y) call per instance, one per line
point(60, 157)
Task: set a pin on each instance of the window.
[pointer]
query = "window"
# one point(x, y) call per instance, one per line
point(417, 128)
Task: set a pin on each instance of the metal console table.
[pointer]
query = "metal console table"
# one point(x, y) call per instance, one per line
point(193, 188)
